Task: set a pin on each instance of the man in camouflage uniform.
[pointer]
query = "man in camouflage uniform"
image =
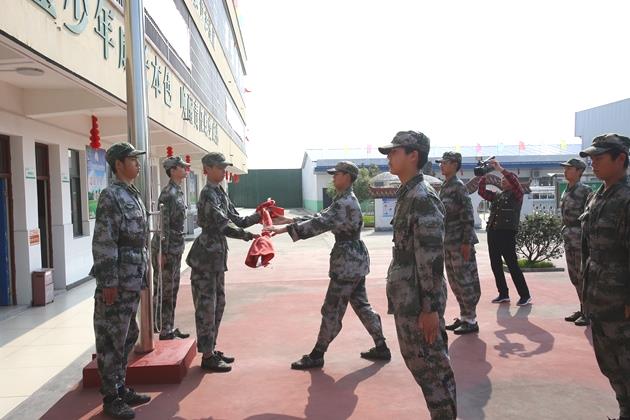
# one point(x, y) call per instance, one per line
point(416, 288)
point(349, 264)
point(459, 245)
point(172, 233)
point(120, 261)
point(572, 206)
point(207, 258)
point(606, 263)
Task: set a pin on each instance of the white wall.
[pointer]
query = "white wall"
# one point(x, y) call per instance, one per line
point(309, 184)
point(72, 257)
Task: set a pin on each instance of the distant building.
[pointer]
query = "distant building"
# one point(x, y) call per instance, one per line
point(538, 167)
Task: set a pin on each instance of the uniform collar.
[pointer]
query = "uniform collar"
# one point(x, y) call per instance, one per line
point(605, 193)
point(343, 194)
point(451, 180)
point(409, 185)
point(129, 187)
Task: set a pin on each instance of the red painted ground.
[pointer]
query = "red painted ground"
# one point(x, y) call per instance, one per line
point(525, 363)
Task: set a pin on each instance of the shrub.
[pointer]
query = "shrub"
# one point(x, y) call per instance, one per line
point(539, 238)
point(523, 263)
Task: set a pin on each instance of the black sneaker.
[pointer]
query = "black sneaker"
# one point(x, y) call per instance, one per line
point(524, 301)
point(131, 397)
point(177, 333)
point(501, 299)
point(456, 323)
point(377, 353)
point(466, 328)
point(574, 317)
point(118, 409)
point(226, 359)
point(215, 364)
point(582, 321)
point(307, 363)
point(167, 335)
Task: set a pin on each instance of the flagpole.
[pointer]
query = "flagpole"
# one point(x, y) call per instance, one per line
point(138, 129)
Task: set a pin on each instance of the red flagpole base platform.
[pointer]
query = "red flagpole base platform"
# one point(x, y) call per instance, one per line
point(168, 363)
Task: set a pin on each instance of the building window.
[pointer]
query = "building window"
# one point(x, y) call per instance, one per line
point(75, 192)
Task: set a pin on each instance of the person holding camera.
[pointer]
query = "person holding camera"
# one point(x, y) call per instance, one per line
point(505, 213)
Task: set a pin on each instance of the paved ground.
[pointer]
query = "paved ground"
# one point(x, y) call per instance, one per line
point(526, 363)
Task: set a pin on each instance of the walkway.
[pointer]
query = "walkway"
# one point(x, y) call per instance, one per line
point(526, 363)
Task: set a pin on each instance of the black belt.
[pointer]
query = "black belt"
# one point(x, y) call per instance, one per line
point(340, 237)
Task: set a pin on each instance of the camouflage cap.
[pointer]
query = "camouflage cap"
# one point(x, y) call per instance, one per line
point(173, 161)
point(119, 151)
point(576, 163)
point(452, 156)
point(215, 159)
point(606, 143)
point(413, 139)
point(345, 166)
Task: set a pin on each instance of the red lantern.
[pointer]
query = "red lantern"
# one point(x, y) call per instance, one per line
point(169, 151)
point(235, 178)
point(95, 138)
point(187, 158)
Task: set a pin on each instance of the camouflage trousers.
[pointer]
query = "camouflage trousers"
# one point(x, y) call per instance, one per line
point(116, 332)
point(208, 292)
point(429, 365)
point(611, 342)
point(170, 288)
point(464, 280)
point(573, 255)
point(339, 293)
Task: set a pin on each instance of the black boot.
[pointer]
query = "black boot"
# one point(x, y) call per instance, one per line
point(307, 362)
point(215, 364)
point(131, 397)
point(226, 359)
point(377, 353)
point(115, 407)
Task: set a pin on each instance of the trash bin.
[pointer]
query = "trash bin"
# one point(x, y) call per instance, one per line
point(43, 286)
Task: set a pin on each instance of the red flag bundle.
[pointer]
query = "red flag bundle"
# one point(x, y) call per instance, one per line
point(261, 252)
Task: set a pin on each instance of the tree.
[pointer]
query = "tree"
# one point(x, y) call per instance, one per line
point(539, 237)
point(361, 185)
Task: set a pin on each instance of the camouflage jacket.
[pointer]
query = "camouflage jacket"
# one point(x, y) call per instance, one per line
point(459, 221)
point(415, 279)
point(217, 218)
point(120, 237)
point(606, 252)
point(572, 206)
point(349, 257)
point(173, 217)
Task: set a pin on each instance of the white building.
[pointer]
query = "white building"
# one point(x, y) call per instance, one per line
point(62, 63)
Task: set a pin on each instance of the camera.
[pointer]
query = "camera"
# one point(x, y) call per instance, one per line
point(483, 167)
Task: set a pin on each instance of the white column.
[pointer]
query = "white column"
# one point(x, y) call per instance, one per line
point(60, 212)
point(24, 186)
